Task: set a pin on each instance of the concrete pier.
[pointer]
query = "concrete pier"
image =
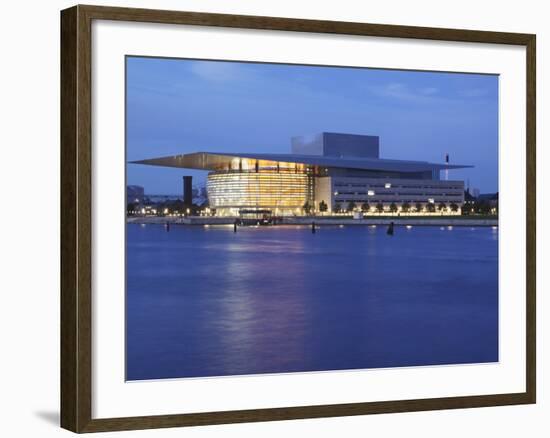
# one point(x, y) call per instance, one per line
point(434, 221)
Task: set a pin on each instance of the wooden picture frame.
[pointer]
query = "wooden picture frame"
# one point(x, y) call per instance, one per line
point(76, 218)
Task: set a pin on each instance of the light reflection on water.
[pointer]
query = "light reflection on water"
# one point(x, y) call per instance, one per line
point(210, 302)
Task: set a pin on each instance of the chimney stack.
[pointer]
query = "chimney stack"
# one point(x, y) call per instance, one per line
point(188, 190)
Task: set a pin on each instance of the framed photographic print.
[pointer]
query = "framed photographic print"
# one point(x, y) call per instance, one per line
point(270, 218)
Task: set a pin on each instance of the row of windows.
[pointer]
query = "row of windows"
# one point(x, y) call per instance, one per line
point(372, 193)
point(400, 201)
point(389, 185)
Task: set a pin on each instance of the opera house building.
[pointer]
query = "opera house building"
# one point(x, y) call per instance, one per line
point(326, 172)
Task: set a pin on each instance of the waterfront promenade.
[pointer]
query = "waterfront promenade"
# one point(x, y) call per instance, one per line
point(455, 221)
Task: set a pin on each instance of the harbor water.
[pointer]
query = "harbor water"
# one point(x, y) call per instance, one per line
point(206, 301)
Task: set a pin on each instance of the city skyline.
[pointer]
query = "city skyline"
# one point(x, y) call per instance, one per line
point(181, 106)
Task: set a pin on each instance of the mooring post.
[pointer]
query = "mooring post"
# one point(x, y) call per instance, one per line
point(235, 226)
point(313, 227)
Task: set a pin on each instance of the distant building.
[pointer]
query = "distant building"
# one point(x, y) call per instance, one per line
point(161, 199)
point(468, 197)
point(490, 198)
point(332, 169)
point(202, 193)
point(135, 194)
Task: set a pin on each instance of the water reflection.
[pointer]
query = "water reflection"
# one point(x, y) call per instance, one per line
point(250, 303)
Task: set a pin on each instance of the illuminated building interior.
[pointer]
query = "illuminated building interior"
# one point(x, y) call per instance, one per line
point(282, 193)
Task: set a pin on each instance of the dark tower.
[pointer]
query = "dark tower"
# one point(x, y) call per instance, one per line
point(187, 190)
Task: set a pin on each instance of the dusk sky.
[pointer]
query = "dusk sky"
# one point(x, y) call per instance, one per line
point(182, 106)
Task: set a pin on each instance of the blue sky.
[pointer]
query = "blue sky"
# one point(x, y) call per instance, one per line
point(178, 106)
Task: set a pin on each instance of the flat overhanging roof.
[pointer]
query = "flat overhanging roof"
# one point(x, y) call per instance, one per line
point(223, 160)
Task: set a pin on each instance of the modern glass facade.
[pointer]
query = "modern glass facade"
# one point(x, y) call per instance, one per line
point(280, 192)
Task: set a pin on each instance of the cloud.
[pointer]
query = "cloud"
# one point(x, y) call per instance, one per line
point(429, 90)
point(427, 95)
point(400, 91)
point(474, 92)
point(214, 71)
